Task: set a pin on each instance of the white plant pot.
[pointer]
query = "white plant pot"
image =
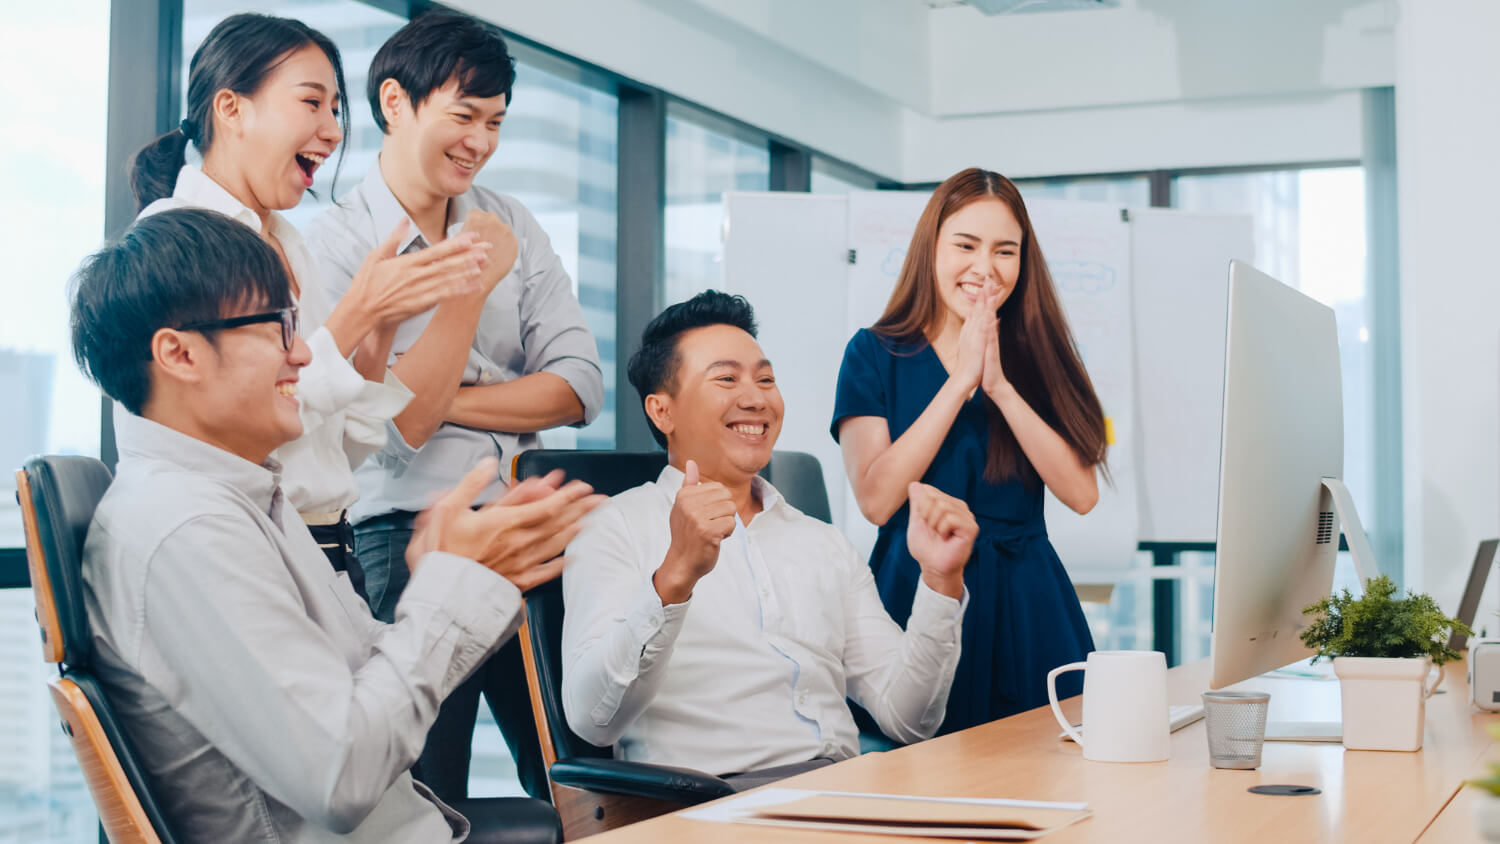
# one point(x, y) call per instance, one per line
point(1384, 701)
point(1487, 817)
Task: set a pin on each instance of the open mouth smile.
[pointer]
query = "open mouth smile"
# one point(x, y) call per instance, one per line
point(308, 163)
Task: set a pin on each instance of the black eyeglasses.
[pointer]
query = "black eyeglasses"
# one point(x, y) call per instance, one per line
point(288, 317)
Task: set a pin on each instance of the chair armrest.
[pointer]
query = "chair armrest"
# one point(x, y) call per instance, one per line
point(660, 782)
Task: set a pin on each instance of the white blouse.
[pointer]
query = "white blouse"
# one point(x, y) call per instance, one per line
point(343, 416)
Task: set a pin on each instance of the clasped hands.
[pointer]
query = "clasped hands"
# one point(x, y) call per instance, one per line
point(979, 346)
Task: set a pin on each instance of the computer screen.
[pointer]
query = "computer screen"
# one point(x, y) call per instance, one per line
point(1282, 436)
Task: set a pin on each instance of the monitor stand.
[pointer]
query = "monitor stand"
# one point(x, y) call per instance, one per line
point(1364, 565)
point(1354, 531)
point(1328, 732)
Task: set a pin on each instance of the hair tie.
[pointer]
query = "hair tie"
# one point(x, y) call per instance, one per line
point(186, 128)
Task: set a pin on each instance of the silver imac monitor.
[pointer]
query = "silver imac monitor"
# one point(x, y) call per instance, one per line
point(1281, 500)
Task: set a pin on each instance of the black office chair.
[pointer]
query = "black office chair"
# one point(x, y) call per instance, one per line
point(799, 476)
point(591, 790)
point(58, 496)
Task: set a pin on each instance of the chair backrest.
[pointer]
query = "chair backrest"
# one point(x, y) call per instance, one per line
point(799, 476)
point(117, 784)
point(58, 496)
point(610, 473)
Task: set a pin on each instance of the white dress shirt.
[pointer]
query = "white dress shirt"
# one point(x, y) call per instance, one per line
point(344, 416)
point(264, 702)
point(752, 671)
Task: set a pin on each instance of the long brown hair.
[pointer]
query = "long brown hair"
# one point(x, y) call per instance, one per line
point(1036, 347)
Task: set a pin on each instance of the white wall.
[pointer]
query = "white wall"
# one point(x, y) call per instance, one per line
point(1447, 144)
point(1259, 130)
point(1156, 51)
point(917, 94)
point(1152, 84)
point(693, 51)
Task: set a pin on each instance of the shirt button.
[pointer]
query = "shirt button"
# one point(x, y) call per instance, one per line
point(827, 748)
point(802, 698)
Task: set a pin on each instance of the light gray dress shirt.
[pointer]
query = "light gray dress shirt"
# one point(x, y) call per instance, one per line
point(531, 323)
point(752, 671)
point(264, 701)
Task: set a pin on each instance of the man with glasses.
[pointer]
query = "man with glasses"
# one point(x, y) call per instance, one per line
point(263, 699)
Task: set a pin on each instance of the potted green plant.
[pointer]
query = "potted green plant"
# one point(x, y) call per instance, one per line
point(1383, 647)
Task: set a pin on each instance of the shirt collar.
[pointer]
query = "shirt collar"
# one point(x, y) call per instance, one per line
point(194, 187)
point(386, 210)
point(139, 438)
point(670, 482)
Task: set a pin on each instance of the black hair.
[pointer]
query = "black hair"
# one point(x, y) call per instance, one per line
point(653, 367)
point(436, 47)
point(170, 269)
point(238, 54)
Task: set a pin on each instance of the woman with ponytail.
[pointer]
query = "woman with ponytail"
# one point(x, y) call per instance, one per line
point(970, 381)
point(264, 109)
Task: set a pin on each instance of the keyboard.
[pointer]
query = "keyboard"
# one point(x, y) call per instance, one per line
point(1181, 716)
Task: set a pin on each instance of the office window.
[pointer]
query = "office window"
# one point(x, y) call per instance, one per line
point(1310, 234)
point(52, 170)
point(830, 177)
point(705, 160)
point(1126, 191)
point(358, 31)
point(43, 797)
point(559, 155)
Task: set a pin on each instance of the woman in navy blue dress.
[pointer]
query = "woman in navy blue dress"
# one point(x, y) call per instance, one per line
point(970, 381)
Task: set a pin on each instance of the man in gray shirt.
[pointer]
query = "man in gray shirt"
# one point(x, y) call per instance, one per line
point(488, 370)
point(263, 700)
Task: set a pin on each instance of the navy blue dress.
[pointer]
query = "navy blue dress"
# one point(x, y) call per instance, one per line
point(1023, 618)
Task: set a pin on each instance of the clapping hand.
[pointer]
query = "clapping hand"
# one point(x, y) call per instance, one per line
point(519, 535)
point(503, 247)
point(392, 288)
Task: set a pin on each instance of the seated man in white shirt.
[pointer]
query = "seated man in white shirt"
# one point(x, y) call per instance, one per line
point(710, 624)
point(263, 700)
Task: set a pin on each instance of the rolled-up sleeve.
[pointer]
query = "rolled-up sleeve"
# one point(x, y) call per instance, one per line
point(557, 339)
point(227, 633)
point(617, 636)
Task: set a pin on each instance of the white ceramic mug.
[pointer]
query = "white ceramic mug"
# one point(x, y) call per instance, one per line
point(1125, 709)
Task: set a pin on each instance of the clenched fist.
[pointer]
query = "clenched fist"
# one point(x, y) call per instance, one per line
point(702, 517)
point(940, 536)
point(503, 247)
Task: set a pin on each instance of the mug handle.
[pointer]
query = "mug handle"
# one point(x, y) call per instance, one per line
point(1052, 696)
point(1429, 692)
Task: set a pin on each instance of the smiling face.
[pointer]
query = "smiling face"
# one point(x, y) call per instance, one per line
point(979, 243)
point(238, 392)
point(725, 411)
point(270, 143)
point(447, 139)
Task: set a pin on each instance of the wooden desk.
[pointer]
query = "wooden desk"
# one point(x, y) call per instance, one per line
point(1367, 796)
